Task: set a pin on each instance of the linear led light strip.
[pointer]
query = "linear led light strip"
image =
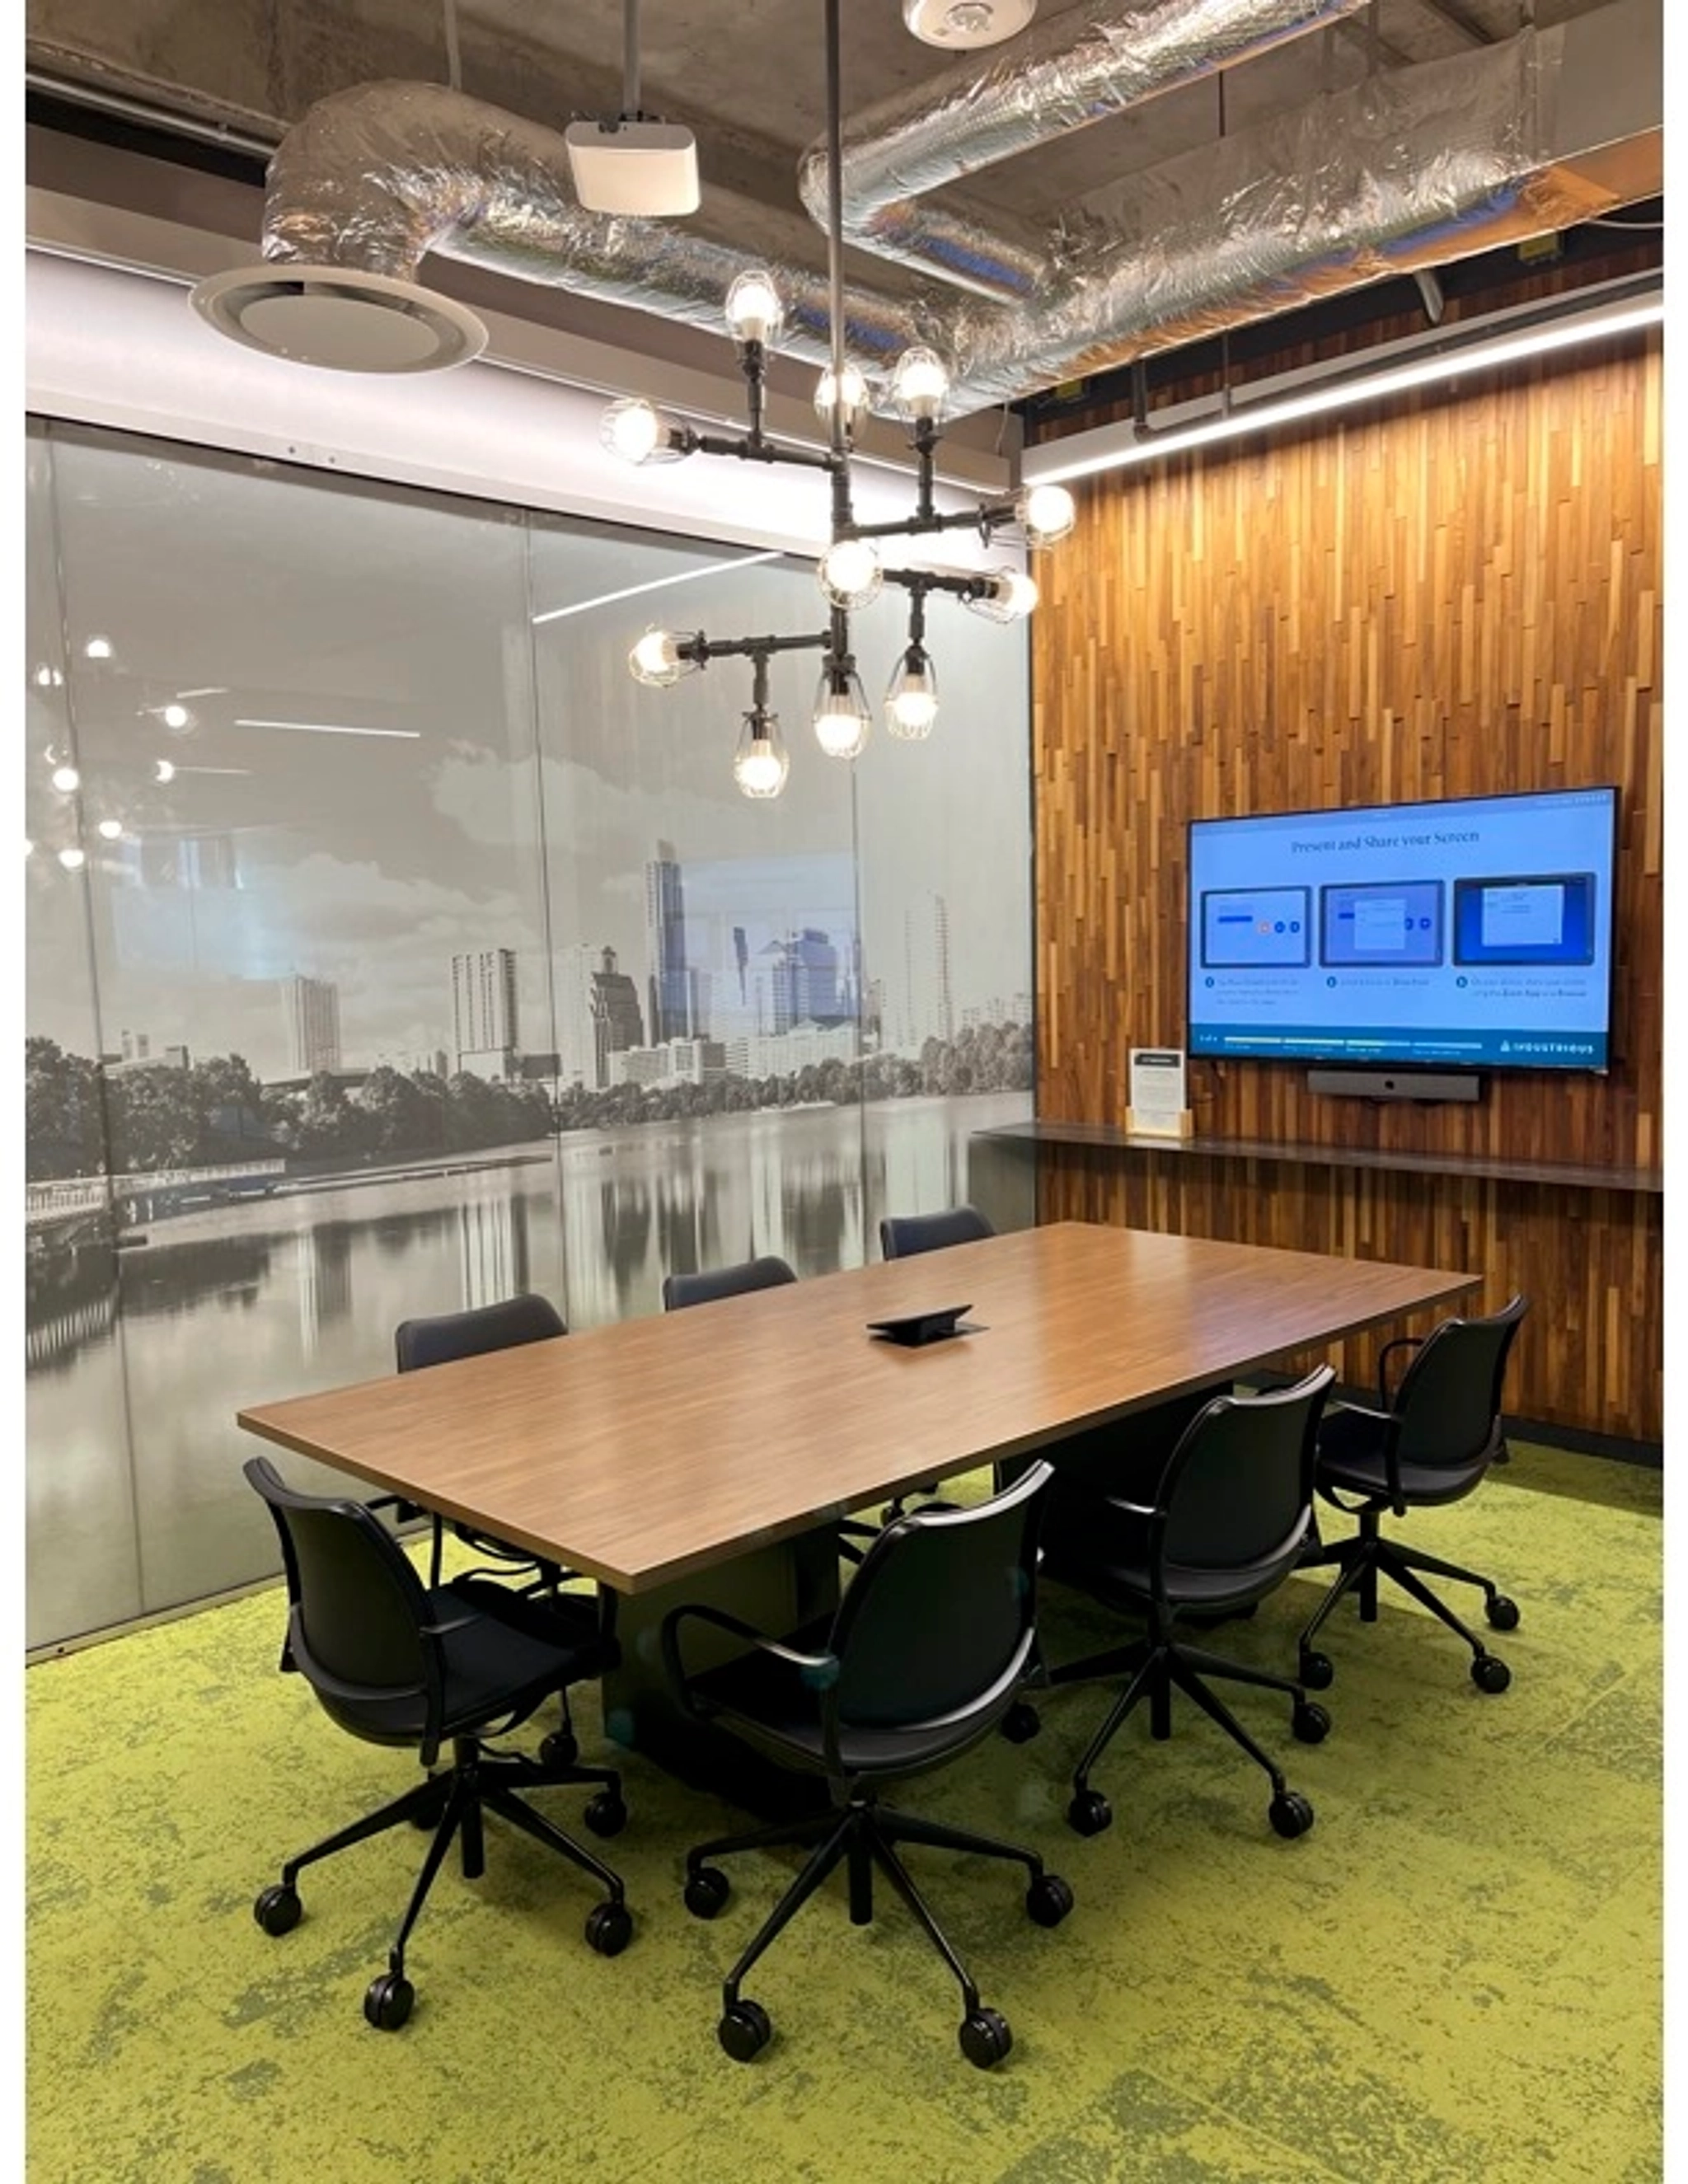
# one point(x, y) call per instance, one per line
point(656, 584)
point(1262, 417)
point(330, 728)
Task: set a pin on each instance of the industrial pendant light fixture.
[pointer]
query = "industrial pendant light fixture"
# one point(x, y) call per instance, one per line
point(851, 572)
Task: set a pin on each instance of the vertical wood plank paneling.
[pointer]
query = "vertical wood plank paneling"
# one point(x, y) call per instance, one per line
point(1458, 596)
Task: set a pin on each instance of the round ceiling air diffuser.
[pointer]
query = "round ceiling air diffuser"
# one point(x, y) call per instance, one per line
point(963, 22)
point(335, 316)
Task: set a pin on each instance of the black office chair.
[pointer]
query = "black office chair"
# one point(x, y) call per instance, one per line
point(887, 1688)
point(681, 1291)
point(905, 1236)
point(398, 1664)
point(440, 1340)
point(902, 1235)
point(1227, 1525)
point(1429, 1443)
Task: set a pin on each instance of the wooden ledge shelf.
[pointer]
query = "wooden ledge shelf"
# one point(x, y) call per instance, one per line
point(1108, 1137)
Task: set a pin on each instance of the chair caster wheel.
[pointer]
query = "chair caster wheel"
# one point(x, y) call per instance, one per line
point(985, 2038)
point(1021, 1723)
point(1089, 1812)
point(1310, 1723)
point(278, 1910)
point(1315, 1672)
point(1490, 1673)
point(561, 1748)
point(605, 1814)
point(609, 1929)
point(745, 2031)
point(1503, 1613)
point(706, 1891)
point(1048, 1900)
point(1290, 1814)
point(388, 2001)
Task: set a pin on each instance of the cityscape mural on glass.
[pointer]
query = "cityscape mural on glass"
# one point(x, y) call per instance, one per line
point(389, 952)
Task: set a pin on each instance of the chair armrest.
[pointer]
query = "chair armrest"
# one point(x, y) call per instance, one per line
point(1401, 1342)
point(1363, 1411)
point(824, 1666)
point(445, 1630)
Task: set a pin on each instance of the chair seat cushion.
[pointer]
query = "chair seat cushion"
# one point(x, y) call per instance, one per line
point(1103, 1550)
point(508, 1653)
point(1350, 1458)
point(777, 1706)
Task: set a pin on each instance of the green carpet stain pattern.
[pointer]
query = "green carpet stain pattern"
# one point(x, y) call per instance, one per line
point(1454, 1979)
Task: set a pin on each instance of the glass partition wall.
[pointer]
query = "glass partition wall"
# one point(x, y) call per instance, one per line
point(390, 949)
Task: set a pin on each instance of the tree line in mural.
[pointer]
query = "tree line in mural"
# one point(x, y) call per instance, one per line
point(80, 1118)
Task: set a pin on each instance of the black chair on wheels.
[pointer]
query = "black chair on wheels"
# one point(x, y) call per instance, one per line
point(905, 1236)
point(440, 1340)
point(681, 1291)
point(1227, 1525)
point(901, 1236)
point(446, 1336)
point(885, 1688)
point(396, 1663)
point(1428, 1444)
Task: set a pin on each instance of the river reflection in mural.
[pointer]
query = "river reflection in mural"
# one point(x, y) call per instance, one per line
point(162, 1344)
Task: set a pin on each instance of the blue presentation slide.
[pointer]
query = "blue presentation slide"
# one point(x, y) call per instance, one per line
point(1468, 933)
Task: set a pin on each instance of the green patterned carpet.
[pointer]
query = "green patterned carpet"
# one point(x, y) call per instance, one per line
point(1454, 1979)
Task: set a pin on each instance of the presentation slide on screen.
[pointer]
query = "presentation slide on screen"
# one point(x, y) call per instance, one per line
point(1452, 933)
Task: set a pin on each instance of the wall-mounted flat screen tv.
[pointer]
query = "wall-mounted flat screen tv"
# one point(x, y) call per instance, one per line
point(1470, 933)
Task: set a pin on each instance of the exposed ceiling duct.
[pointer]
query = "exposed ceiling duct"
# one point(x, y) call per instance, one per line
point(1413, 168)
point(1069, 74)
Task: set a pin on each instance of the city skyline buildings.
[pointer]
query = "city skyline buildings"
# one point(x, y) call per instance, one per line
point(310, 1009)
point(485, 1024)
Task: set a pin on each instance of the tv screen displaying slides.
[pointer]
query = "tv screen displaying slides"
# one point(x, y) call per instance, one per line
point(1473, 933)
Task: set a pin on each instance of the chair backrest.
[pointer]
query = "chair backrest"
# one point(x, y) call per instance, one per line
point(449, 1334)
point(935, 1630)
point(679, 1290)
point(1237, 1492)
point(901, 1236)
point(356, 1612)
point(1447, 1407)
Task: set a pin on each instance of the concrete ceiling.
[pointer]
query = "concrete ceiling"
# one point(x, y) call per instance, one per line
point(746, 74)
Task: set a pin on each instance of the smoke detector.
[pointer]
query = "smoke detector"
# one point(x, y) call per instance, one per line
point(964, 23)
point(336, 316)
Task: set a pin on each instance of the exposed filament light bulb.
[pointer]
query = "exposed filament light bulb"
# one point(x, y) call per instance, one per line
point(911, 695)
point(657, 661)
point(755, 312)
point(850, 573)
point(638, 432)
point(1010, 596)
point(846, 393)
point(841, 718)
point(1046, 513)
point(761, 761)
point(919, 384)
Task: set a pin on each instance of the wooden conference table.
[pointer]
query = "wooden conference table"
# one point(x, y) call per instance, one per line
point(693, 1456)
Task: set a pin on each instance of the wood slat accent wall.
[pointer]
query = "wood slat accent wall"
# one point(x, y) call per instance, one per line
point(1458, 595)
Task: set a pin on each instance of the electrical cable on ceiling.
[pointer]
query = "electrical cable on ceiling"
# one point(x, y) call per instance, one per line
point(453, 60)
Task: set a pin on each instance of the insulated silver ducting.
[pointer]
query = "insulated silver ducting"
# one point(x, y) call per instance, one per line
point(1414, 168)
point(373, 179)
point(1067, 73)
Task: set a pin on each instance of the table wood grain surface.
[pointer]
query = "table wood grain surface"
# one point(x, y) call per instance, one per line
point(643, 1451)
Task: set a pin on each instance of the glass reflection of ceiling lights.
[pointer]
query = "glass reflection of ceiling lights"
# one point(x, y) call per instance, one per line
point(850, 572)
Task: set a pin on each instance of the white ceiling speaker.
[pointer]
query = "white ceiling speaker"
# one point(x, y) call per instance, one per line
point(648, 169)
point(963, 23)
point(339, 318)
